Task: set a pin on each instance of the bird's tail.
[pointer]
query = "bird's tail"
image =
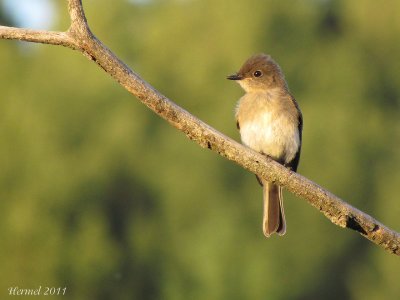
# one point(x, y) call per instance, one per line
point(274, 216)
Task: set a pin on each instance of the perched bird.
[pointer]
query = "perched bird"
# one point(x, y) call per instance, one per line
point(270, 122)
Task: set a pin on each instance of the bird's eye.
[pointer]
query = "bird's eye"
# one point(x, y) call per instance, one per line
point(257, 73)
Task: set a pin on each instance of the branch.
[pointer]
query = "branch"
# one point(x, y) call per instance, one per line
point(37, 36)
point(79, 37)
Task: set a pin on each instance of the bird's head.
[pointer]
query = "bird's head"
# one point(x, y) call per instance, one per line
point(259, 72)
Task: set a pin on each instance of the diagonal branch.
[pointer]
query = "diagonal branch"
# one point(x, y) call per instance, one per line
point(79, 37)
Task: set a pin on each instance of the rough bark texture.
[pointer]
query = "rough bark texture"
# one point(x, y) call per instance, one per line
point(79, 37)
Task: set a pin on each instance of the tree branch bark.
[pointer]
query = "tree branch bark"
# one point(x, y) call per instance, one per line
point(79, 37)
point(37, 36)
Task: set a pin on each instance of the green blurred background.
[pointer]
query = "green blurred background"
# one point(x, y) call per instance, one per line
point(101, 196)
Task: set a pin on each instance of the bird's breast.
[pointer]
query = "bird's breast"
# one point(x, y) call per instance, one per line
point(269, 127)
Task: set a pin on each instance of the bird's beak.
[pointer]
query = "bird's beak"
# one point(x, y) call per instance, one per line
point(235, 77)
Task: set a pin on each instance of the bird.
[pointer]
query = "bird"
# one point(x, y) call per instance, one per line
point(270, 122)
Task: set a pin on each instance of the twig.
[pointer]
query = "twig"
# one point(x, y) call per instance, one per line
point(37, 36)
point(79, 37)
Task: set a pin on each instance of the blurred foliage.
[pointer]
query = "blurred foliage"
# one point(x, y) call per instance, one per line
point(100, 195)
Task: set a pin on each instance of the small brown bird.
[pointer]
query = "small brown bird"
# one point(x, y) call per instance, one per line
point(270, 122)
